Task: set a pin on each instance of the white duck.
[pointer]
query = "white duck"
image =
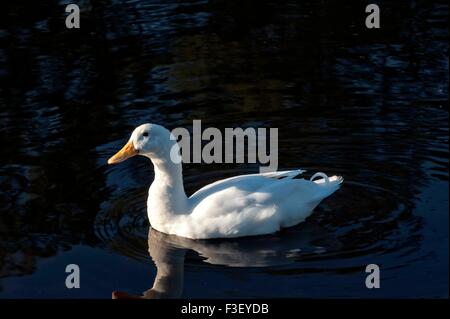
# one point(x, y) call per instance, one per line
point(244, 205)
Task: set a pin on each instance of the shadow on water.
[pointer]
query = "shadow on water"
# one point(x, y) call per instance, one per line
point(371, 106)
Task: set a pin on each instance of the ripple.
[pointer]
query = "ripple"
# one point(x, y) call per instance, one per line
point(123, 225)
point(358, 222)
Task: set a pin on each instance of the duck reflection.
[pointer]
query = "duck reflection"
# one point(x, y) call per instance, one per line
point(168, 252)
point(168, 257)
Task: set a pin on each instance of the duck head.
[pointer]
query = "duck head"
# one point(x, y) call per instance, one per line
point(150, 140)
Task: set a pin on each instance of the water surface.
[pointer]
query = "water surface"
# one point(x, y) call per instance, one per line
point(371, 106)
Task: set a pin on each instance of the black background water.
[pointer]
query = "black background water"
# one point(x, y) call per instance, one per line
point(371, 105)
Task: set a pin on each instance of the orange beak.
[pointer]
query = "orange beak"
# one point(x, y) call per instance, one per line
point(125, 153)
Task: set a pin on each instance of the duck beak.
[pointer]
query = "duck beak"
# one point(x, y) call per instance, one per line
point(125, 153)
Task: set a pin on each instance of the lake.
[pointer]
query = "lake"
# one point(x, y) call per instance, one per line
point(368, 104)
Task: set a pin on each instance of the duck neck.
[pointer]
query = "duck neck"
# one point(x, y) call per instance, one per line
point(166, 195)
point(168, 173)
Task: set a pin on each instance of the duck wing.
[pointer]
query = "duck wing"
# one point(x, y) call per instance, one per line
point(249, 182)
point(255, 204)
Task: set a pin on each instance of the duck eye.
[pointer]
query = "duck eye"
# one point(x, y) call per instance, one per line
point(145, 134)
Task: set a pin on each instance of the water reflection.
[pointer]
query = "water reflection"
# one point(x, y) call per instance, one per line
point(168, 254)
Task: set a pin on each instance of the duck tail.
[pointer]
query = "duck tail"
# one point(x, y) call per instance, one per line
point(332, 183)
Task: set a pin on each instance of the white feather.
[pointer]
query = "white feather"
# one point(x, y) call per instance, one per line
point(244, 205)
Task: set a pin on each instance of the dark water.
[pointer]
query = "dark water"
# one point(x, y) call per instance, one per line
point(371, 105)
